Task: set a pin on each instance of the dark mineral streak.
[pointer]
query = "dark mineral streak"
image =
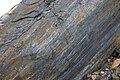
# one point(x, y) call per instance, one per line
point(57, 39)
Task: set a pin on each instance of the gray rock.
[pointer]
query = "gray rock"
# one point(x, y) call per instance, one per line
point(57, 39)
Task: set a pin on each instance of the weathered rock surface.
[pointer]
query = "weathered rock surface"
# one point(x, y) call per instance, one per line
point(57, 39)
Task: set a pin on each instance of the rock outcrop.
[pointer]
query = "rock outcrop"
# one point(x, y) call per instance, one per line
point(57, 39)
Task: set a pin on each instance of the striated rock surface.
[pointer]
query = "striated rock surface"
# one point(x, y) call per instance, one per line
point(57, 39)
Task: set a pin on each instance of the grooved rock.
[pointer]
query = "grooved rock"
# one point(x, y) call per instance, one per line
point(57, 39)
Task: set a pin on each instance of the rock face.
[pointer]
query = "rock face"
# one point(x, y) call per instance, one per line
point(57, 39)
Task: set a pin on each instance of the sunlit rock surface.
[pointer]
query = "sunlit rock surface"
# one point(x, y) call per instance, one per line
point(57, 39)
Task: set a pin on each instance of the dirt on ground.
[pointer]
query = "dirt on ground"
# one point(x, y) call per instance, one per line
point(110, 70)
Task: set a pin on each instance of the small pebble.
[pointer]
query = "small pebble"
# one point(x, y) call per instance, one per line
point(108, 60)
point(102, 72)
point(110, 77)
point(106, 69)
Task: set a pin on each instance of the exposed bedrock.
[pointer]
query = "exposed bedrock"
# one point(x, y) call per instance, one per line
point(57, 39)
